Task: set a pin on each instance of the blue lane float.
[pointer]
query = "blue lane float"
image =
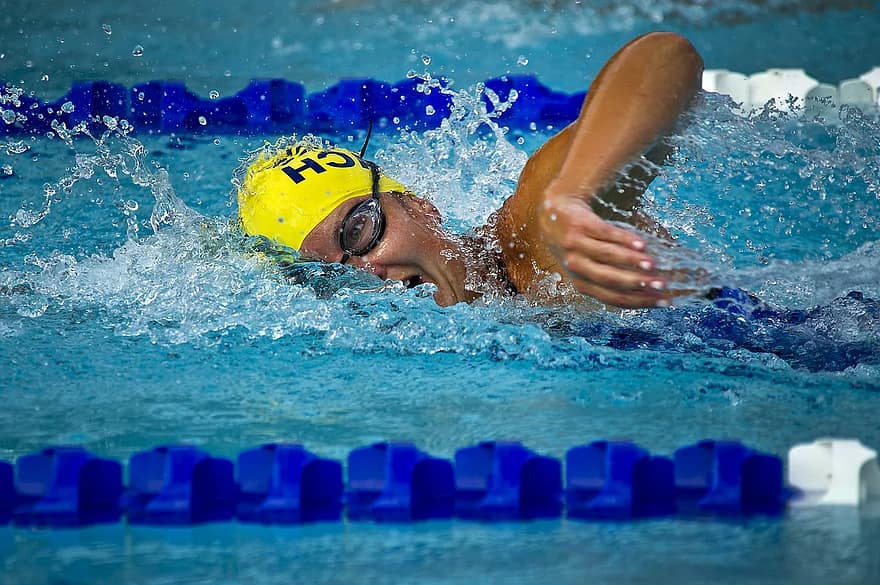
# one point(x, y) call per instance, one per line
point(397, 482)
point(728, 478)
point(618, 480)
point(502, 480)
point(283, 483)
point(279, 106)
point(535, 102)
point(274, 104)
point(66, 486)
point(179, 485)
point(93, 100)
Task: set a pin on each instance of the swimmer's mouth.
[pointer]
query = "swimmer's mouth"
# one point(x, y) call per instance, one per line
point(413, 281)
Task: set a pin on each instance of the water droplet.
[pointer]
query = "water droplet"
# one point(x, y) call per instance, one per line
point(426, 59)
point(138, 51)
point(131, 205)
point(33, 307)
point(522, 61)
point(429, 110)
point(553, 217)
point(110, 122)
point(227, 73)
point(106, 28)
point(8, 116)
point(520, 140)
point(45, 77)
point(217, 141)
point(25, 218)
point(29, 64)
point(17, 147)
point(396, 120)
point(141, 96)
point(67, 107)
point(186, 176)
point(203, 121)
point(533, 126)
point(6, 170)
point(214, 94)
point(410, 74)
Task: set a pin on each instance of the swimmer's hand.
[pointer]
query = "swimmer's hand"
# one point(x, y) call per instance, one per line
point(602, 260)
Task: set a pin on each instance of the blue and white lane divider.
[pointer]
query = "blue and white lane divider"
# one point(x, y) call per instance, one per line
point(280, 106)
point(271, 106)
point(285, 483)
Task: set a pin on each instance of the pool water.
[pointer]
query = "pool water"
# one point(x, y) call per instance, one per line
point(132, 313)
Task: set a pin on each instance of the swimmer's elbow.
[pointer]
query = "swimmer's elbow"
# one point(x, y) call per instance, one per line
point(664, 39)
point(673, 46)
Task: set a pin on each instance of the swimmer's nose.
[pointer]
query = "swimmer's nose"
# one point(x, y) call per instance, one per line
point(364, 263)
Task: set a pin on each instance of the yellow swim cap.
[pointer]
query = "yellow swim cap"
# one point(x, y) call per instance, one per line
point(284, 196)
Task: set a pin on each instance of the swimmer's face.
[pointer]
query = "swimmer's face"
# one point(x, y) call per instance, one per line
point(412, 248)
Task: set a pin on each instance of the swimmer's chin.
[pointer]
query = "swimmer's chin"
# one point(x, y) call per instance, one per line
point(443, 296)
point(446, 297)
point(444, 300)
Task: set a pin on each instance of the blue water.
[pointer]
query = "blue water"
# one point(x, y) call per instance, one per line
point(132, 313)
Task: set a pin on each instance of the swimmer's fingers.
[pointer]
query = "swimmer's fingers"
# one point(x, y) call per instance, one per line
point(624, 300)
point(570, 228)
point(602, 260)
point(610, 253)
point(612, 277)
point(617, 286)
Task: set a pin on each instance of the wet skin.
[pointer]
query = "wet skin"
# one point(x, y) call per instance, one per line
point(552, 225)
point(414, 249)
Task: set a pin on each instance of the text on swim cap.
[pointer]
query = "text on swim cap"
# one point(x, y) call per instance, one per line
point(308, 163)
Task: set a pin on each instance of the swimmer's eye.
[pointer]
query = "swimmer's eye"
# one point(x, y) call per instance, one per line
point(364, 225)
point(362, 228)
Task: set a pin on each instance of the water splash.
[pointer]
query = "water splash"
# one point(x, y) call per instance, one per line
point(196, 280)
point(468, 167)
point(766, 198)
point(10, 97)
point(113, 152)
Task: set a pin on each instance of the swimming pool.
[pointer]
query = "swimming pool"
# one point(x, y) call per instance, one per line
point(120, 339)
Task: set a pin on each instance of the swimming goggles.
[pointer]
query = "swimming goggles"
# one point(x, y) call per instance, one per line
point(364, 225)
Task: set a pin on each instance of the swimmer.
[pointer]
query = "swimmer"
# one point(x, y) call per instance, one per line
point(333, 206)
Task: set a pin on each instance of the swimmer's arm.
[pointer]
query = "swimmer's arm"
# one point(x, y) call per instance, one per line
point(634, 101)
